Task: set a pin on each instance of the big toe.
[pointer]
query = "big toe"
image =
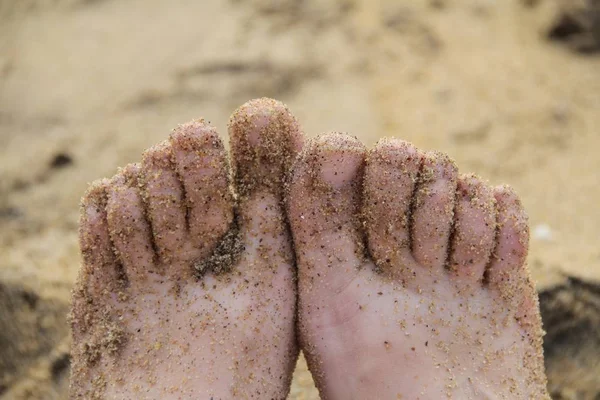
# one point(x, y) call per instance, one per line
point(265, 138)
point(323, 207)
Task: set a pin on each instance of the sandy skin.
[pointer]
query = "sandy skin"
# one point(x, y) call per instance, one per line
point(187, 291)
point(411, 278)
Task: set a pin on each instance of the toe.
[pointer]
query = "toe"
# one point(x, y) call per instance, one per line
point(323, 204)
point(433, 210)
point(164, 198)
point(513, 237)
point(128, 227)
point(201, 163)
point(508, 271)
point(265, 139)
point(100, 272)
point(390, 175)
point(474, 229)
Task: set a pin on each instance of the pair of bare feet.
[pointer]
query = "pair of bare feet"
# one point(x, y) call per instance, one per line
point(401, 279)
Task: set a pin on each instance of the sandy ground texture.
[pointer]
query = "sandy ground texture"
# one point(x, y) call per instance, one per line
point(510, 89)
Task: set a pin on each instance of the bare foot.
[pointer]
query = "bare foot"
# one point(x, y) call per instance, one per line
point(426, 296)
point(182, 294)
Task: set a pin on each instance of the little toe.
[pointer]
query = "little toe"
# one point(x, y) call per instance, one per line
point(129, 230)
point(100, 272)
point(508, 271)
point(201, 163)
point(433, 210)
point(474, 229)
point(165, 202)
point(391, 172)
point(323, 203)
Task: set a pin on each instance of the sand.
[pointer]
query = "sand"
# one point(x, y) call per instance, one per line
point(86, 85)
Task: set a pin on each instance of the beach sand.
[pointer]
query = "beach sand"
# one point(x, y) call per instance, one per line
point(509, 89)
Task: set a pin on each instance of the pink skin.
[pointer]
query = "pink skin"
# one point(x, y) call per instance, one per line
point(412, 281)
point(442, 305)
point(144, 325)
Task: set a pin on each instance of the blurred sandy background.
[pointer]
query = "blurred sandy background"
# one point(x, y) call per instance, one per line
point(509, 88)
